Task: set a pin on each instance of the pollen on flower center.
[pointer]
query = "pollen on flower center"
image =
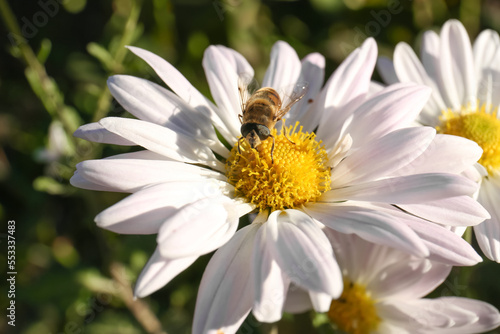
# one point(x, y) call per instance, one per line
point(298, 175)
point(354, 312)
point(477, 125)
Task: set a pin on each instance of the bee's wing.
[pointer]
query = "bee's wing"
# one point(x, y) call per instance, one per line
point(247, 85)
point(291, 95)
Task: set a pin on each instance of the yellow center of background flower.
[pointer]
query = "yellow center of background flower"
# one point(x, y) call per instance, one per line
point(479, 126)
point(354, 312)
point(298, 175)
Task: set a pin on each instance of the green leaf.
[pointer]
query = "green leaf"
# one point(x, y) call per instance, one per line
point(103, 55)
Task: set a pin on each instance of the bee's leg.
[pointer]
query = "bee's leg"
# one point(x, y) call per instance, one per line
point(240, 117)
point(239, 149)
point(272, 150)
point(284, 132)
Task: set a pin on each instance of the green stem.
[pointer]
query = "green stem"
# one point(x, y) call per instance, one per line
point(12, 25)
point(48, 93)
point(104, 100)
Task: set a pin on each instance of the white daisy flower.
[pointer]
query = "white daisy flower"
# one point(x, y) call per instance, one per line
point(464, 102)
point(384, 290)
point(361, 172)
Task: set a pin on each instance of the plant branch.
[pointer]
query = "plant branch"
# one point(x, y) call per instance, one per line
point(137, 307)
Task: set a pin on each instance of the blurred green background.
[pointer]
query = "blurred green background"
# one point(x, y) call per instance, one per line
point(74, 277)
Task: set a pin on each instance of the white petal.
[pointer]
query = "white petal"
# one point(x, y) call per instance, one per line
point(313, 72)
point(195, 229)
point(410, 278)
point(486, 49)
point(486, 317)
point(321, 301)
point(408, 189)
point(144, 211)
point(369, 224)
point(284, 68)
point(385, 67)
point(236, 60)
point(270, 285)
point(77, 180)
point(444, 245)
point(95, 132)
point(147, 100)
point(153, 103)
point(386, 271)
point(453, 211)
point(161, 140)
point(222, 76)
point(173, 78)
point(181, 86)
point(446, 154)
point(457, 65)
point(142, 155)
point(130, 175)
point(358, 257)
point(375, 87)
point(443, 315)
point(488, 232)
point(392, 108)
point(353, 76)
point(348, 83)
point(409, 69)
point(431, 275)
point(158, 272)
point(225, 295)
point(429, 53)
point(303, 252)
point(385, 155)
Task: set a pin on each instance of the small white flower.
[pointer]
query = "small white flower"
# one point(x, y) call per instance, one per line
point(464, 102)
point(361, 172)
point(384, 290)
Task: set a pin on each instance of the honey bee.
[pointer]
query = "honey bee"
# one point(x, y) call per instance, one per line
point(261, 111)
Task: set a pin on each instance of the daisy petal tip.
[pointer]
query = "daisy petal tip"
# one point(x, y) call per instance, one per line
point(479, 259)
point(134, 49)
point(370, 43)
point(114, 79)
point(82, 131)
point(282, 44)
point(209, 51)
point(451, 23)
point(102, 220)
point(315, 58)
point(140, 292)
point(143, 289)
point(75, 179)
point(429, 34)
point(109, 123)
point(99, 221)
point(266, 317)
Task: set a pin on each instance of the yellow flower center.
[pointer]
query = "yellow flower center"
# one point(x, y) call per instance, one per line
point(298, 175)
point(480, 126)
point(354, 312)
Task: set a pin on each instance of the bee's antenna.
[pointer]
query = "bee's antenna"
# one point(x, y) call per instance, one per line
point(272, 150)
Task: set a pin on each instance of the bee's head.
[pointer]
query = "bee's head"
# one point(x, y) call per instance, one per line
point(254, 133)
point(253, 139)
